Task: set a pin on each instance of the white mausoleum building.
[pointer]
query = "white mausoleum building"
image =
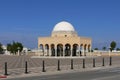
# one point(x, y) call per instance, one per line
point(64, 41)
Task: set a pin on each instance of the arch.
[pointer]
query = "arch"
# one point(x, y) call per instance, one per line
point(41, 46)
point(81, 44)
point(52, 50)
point(81, 49)
point(60, 50)
point(42, 49)
point(89, 48)
point(85, 47)
point(75, 48)
point(46, 46)
point(67, 49)
point(47, 49)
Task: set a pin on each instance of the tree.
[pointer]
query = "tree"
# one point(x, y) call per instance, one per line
point(96, 49)
point(14, 47)
point(104, 48)
point(1, 49)
point(9, 48)
point(118, 49)
point(112, 45)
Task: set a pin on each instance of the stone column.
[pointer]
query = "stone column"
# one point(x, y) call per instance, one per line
point(63, 51)
point(60, 52)
point(44, 50)
point(55, 50)
point(78, 50)
point(83, 51)
point(49, 51)
point(71, 51)
point(90, 51)
point(86, 51)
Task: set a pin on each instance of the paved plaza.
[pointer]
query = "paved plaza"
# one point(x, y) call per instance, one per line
point(16, 64)
point(98, 74)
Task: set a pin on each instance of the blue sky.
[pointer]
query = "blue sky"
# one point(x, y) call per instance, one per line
point(26, 20)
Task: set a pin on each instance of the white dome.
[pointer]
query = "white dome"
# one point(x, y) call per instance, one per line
point(63, 26)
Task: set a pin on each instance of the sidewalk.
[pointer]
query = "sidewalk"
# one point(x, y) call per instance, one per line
point(16, 65)
point(57, 72)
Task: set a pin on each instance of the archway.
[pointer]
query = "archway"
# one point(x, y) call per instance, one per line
point(41, 49)
point(89, 48)
point(41, 46)
point(67, 50)
point(59, 50)
point(81, 49)
point(52, 50)
point(47, 49)
point(75, 47)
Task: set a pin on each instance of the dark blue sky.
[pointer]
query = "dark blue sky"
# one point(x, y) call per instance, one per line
point(26, 20)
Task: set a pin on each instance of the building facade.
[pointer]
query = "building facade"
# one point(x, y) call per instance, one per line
point(64, 41)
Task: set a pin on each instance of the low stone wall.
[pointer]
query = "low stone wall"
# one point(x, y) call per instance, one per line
point(106, 54)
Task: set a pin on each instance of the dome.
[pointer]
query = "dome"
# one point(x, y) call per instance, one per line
point(63, 26)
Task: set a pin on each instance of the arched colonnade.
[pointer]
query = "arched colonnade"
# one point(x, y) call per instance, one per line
point(64, 49)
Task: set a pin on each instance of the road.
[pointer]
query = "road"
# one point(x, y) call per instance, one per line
point(97, 74)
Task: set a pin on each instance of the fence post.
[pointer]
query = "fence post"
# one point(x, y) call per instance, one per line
point(93, 62)
point(26, 67)
point(43, 69)
point(83, 63)
point(103, 62)
point(110, 61)
point(58, 65)
point(71, 63)
point(6, 69)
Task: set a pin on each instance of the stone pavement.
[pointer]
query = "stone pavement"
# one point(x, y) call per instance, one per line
point(57, 72)
point(16, 65)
